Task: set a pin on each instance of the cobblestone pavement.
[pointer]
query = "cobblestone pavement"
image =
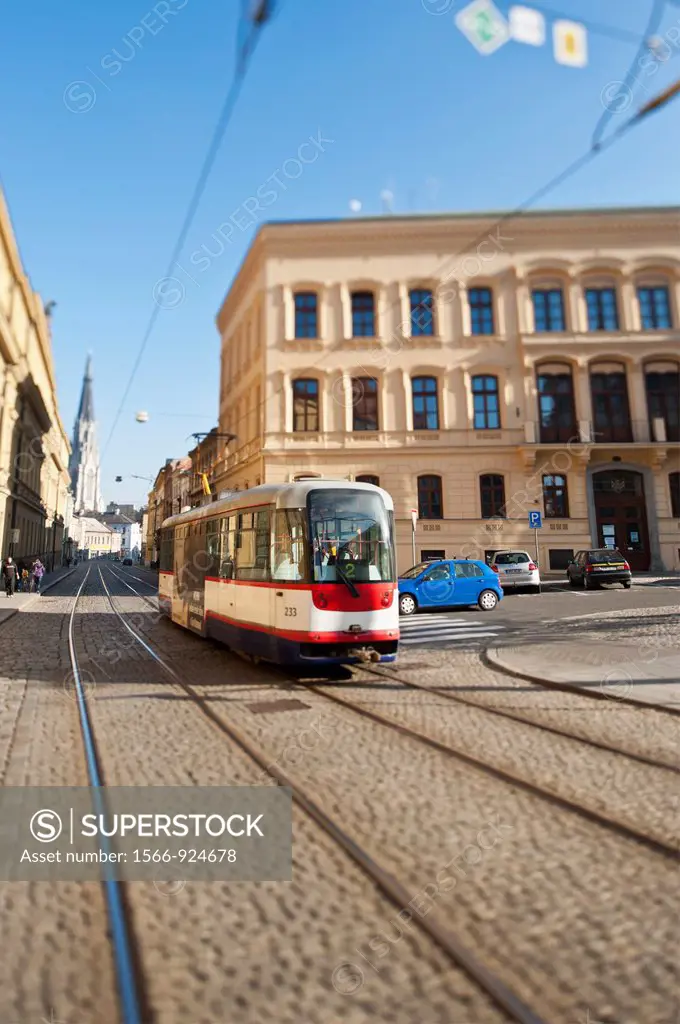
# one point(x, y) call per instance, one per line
point(579, 922)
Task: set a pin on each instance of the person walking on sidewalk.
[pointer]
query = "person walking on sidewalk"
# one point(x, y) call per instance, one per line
point(25, 580)
point(9, 571)
point(38, 571)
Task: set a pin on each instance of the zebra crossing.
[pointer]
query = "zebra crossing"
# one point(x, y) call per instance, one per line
point(444, 629)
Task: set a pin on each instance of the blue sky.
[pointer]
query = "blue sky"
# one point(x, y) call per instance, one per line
point(98, 192)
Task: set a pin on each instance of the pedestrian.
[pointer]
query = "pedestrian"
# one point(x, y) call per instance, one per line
point(25, 580)
point(9, 571)
point(38, 571)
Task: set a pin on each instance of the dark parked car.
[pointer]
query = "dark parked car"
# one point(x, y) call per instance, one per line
point(601, 565)
point(127, 561)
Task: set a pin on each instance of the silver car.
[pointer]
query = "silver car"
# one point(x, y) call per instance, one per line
point(516, 569)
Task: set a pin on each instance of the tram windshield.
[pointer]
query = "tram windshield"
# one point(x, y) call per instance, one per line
point(351, 537)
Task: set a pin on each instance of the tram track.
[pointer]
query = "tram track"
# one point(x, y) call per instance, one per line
point(395, 890)
point(597, 817)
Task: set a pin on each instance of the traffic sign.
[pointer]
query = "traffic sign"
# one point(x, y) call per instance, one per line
point(527, 26)
point(414, 517)
point(570, 42)
point(535, 520)
point(483, 24)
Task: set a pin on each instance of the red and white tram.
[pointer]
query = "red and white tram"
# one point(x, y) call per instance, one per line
point(294, 573)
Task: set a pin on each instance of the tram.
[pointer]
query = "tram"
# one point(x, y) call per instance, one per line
point(296, 574)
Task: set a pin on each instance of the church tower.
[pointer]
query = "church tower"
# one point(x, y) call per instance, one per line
point(84, 461)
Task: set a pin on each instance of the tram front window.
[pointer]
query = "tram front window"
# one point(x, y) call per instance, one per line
point(351, 537)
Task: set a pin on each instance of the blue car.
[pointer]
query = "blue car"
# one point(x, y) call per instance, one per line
point(449, 583)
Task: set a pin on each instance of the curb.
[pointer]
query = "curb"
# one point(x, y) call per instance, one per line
point(34, 597)
point(493, 661)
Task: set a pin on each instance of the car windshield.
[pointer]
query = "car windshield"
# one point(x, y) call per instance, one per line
point(416, 570)
point(353, 530)
point(606, 555)
point(512, 558)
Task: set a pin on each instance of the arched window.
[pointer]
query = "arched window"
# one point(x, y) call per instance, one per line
point(368, 478)
point(363, 315)
point(305, 404)
point(674, 484)
point(481, 310)
point(611, 412)
point(662, 381)
point(485, 403)
point(430, 497)
point(306, 315)
point(556, 410)
point(425, 403)
point(492, 496)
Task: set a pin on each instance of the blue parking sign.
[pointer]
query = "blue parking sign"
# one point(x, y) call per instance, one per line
point(535, 520)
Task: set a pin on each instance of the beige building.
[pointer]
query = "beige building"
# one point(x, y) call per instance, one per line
point(171, 494)
point(93, 538)
point(479, 371)
point(34, 449)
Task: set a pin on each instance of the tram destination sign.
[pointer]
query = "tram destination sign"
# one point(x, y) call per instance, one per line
point(146, 833)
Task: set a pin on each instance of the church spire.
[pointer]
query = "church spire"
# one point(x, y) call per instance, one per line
point(84, 461)
point(86, 407)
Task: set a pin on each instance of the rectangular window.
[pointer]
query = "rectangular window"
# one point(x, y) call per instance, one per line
point(655, 308)
point(602, 310)
point(252, 552)
point(290, 547)
point(481, 310)
point(559, 558)
point(492, 496)
point(306, 315)
point(305, 405)
point(555, 497)
point(425, 403)
point(486, 403)
point(422, 312)
point(363, 315)
point(548, 309)
point(364, 403)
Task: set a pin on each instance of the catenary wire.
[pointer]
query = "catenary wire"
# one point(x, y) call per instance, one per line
point(245, 52)
point(653, 22)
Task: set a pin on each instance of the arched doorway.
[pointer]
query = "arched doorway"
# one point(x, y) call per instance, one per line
point(621, 515)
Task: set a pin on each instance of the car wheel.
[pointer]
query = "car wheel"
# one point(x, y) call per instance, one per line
point(487, 600)
point(536, 589)
point(627, 584)
point(572, 581)
point(407, 604)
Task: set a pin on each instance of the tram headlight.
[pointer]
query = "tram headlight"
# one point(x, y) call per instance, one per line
point(321, 601)
point(386, 599)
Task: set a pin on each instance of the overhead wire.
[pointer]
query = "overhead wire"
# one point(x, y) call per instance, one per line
point(653, 23)
point(246, 46)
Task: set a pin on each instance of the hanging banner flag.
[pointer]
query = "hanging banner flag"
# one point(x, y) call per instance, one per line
point(570, 41)
point(527, 26)
point(483, 25)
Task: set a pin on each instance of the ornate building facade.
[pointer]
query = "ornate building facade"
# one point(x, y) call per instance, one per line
point(34, 448)
point(477, 370)
point(84, 462)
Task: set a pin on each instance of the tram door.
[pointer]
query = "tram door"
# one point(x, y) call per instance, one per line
point(180, 607)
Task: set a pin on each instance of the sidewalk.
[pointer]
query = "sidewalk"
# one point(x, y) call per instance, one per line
point(640, 579)
point(9, 606)
point(609, 669)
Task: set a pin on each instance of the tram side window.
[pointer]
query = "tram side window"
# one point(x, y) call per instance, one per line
point(167, 545)
point(227, 547)
point(212, 547)
point(290, 558)
point(252, 547)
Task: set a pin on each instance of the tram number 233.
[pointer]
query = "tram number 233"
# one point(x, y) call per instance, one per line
point(288, 610)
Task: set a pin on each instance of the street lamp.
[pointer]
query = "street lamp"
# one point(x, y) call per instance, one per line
point(133, 476)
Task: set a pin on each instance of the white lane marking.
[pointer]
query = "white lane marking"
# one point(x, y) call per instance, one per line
point(443, 637)
point(445, 624)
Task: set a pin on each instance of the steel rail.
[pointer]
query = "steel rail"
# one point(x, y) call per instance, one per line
point(395, 890)
point(125, 964)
